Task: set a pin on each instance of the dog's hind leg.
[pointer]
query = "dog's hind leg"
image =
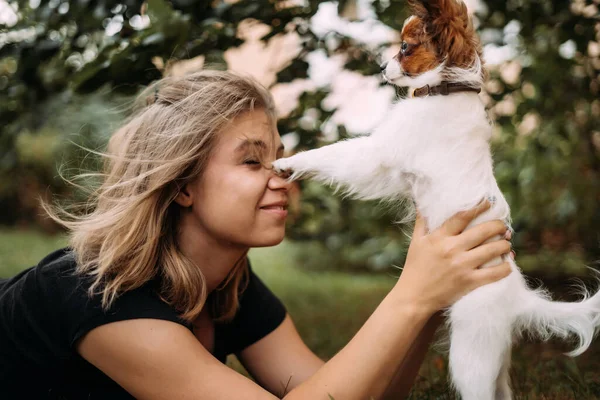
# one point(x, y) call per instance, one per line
point(477, 358)
point(503, 391)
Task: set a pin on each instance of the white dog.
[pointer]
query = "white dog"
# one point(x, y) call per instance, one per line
point(434, 148)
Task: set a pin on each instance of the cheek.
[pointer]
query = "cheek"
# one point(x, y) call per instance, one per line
point(226, 205)
point(235, 189)
point(393, 69)
point(419, 61)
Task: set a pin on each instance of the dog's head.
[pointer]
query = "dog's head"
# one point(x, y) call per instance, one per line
point(438, 44)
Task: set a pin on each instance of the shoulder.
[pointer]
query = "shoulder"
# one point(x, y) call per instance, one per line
point(56, 296)
point(85, 311)
point(40, 287)
point(158, 360)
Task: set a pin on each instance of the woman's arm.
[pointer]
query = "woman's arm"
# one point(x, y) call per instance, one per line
point(154, 359)
point(162, 360)
point(404, 379)
point(364, 368)
point(281, 360)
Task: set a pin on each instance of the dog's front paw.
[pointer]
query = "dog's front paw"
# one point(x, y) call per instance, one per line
point(293, 167)
point(281, 165)
point(283, 168)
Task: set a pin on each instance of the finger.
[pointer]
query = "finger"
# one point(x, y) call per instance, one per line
point(478, 234)
point(420, 226)
point(491, 274)
point(459, 221)
point(487, 252)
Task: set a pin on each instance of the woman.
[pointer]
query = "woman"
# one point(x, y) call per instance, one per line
point(155, 288)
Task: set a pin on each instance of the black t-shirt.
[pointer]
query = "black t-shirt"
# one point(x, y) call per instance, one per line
point(45, 309)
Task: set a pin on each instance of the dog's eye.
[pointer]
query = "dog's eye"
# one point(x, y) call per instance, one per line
point(404, 47)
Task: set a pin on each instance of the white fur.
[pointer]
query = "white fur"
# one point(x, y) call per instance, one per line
point(436, 151)
point(394, 73)
point(407, 20)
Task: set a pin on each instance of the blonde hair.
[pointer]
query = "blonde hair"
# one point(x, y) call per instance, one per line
point(127, 234)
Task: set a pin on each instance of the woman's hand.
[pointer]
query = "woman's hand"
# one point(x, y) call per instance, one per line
point(442, 266)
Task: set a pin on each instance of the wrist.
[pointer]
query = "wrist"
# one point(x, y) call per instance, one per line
point(412, 304)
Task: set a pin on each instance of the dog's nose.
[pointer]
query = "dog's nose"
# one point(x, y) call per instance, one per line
point(383, 65)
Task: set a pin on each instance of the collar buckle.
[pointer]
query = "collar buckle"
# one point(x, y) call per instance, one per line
point(421, 92)
point(427, 90)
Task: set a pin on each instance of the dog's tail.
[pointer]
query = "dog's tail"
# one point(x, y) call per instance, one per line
point(546, 318)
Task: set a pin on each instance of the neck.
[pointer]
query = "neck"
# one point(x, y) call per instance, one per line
point(215, 258)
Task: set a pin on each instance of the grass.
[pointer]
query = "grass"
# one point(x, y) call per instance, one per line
point(20, 249)
point(329, 307)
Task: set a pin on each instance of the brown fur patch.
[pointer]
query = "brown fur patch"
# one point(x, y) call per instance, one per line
point(420, 56)
point(442, 29)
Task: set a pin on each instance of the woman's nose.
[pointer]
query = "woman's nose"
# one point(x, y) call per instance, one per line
point(278, 182)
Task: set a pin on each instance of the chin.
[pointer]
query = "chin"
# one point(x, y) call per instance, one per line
point(267, 239)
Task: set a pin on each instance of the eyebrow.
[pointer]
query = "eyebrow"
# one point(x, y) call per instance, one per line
point(258, 143)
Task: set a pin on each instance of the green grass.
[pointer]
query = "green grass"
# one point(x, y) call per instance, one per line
point(326, 306)
point(20, 249)
point(329, 307)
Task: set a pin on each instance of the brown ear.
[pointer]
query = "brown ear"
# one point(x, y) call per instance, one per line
point(419, 9)
point(431, 11)
point(448, 26)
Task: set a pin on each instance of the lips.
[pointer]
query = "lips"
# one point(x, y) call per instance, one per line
point(278, 209)
point(280, 205)
point(274, 207)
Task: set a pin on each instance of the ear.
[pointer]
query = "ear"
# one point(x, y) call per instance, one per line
point(430, 11)
point(419, 9)
point(184, 198)
point(448, 25)
point(455, 35)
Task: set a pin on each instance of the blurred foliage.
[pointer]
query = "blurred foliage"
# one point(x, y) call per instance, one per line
point(45, 158)
point(64, 65)
point(550, 171)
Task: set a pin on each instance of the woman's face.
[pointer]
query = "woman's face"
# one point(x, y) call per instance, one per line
point(237, 200)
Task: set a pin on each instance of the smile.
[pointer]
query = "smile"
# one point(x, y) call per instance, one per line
point(276, 210)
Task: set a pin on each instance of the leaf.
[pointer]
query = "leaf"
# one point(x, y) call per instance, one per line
point(159, 11)
point(216, 59)
point(155, 38)
point(298, 69)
